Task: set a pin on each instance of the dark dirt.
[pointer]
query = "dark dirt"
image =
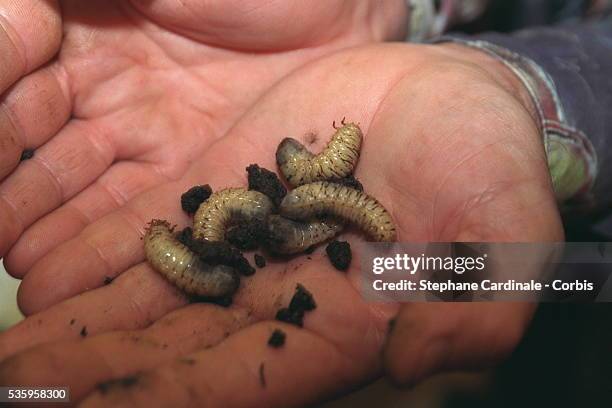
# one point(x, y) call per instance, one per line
point(72, 321)
point(266, 182)
point(192, 198)
point(185, 236)
point(277, 339)
point(216, 252)
point(349, 181)
point(122, 383)
point(107, 280)
point(27, 154)
point(301, 302)
point(302, 299)
point(260, 261)
point(310, 249)
point(339, 254)
point(291, 317)
point(84, 332)
point(247, 236)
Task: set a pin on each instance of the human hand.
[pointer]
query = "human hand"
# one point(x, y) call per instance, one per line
point(451, 149)
point(133, 93)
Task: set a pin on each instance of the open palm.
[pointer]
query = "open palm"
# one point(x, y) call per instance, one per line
point(137, 91)
point(450, 152)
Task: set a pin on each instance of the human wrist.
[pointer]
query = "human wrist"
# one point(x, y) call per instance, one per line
point(570, 154)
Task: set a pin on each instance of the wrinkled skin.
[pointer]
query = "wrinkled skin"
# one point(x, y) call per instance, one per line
point(451, 149)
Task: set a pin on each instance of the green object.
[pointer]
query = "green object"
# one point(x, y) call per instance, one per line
point(9, 312)
point(568, 170)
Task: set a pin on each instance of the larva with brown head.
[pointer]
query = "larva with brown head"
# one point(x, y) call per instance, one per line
point(183, 268)
point(285, 236)
point(227, 207)
point(344, 203)
point(337, 160)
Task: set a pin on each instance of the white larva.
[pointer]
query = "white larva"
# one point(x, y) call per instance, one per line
point(337, 160)
point(183, 268)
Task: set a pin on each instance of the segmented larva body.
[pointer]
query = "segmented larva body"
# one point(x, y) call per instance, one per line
point(286, 236)
point(183, 268)
point(344, 203)
point(227, 207)
point(337, 160)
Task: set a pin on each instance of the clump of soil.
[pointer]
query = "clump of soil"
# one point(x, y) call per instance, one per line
point(27, 154)
point(185, 236)
point(216, 253)
point(301, 302)
point(247, 236)
point(260, 261)
point(277, 339)
point(339, 254)
point(192, 198)
point(287, 316)
point(266, 182)
point(349, 181)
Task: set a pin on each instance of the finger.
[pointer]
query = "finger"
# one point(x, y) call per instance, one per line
point(59, 170)
point(306, 369)
point(340, 313)
point(30, 34)
point(31, 112)
point(427, 338)
point(121, 183)
point(102, 250)
point(132, 301)
point(98, 359)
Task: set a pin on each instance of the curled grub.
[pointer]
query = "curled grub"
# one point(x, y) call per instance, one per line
point(299, 166)
point(323, 198)
point(184, 268)
point(226, 208)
